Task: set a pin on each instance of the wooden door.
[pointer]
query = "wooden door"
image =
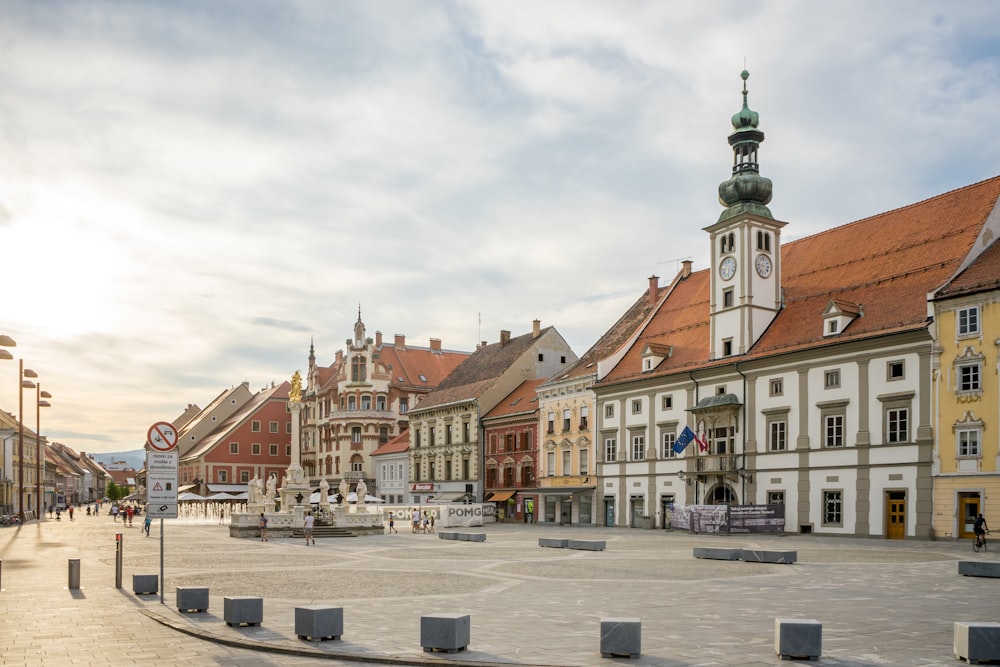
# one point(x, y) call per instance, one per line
point(895, 503)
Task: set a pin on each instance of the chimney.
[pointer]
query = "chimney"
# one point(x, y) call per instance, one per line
point(685, 268)
point(481, 346)
point(400, 341)
point(536, 328)
point(378, 339)
point(436, 344)
point(504, 337)
point(654, 289)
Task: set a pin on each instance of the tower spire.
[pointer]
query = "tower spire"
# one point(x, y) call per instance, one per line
point(746, 191)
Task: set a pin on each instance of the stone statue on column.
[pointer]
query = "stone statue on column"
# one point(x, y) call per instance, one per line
point(344, 488)
point(324, 494)
point(362, 491)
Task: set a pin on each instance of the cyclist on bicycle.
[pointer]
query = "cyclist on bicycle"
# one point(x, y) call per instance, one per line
point(979, 527)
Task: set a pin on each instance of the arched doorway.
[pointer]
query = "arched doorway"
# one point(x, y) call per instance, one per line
point(721, 494)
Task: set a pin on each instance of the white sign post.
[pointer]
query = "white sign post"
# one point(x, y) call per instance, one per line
point(161, 479)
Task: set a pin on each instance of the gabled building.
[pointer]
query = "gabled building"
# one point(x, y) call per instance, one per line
point(804, 368)
point(445, 428)
point(967, 395)
point(253, 439)
point(361, 401)
point(392, 469)
point(19, 480)
point(567, 476)
point(510, 462)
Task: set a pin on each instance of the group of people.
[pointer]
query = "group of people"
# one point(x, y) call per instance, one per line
point(422, 522)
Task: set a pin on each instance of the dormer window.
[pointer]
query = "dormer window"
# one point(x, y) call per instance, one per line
point(653, 354)
point(838, 315)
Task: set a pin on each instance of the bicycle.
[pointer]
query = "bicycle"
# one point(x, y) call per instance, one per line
point(979, 543)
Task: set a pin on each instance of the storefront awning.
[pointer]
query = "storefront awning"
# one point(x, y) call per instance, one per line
point(227, 488)
point(186, 487)
point(501, 496)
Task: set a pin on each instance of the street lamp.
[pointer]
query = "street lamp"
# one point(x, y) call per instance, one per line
point(25, 384)
point(39, 395)
point(6, 341)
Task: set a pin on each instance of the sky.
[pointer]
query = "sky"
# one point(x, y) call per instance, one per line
point(192, 192)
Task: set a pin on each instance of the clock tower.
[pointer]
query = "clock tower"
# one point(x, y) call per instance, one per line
point(746, 243)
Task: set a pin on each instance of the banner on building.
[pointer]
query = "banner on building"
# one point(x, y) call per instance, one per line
point(728, 520)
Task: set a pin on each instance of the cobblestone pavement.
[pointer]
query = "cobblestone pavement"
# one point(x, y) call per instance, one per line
point(880, 602)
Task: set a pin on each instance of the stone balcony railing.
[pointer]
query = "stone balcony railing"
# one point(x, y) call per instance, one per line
point(722, 463)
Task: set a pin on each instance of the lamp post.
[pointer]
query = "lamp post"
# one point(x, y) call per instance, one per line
point(39, 467)
point(25, 384)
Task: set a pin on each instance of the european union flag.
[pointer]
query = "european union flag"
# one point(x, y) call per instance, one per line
point(683, 440)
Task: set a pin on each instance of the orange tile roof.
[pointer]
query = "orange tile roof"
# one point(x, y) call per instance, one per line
point(886, 264)
point(397, 445)
point(982, 275)
point(523, 399)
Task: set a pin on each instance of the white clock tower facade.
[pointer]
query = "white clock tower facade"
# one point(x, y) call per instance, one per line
point(746, 243)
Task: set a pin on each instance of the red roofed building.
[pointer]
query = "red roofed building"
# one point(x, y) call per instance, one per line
point(392, 468)
point(510, 463)
point(806, 367)
point(361, 401)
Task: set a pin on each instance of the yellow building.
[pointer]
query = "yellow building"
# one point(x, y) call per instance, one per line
point(967, 447)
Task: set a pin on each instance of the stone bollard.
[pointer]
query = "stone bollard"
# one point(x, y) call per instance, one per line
point(621, 637)
point(798, 638)
point(445, 632)
point(74, 574)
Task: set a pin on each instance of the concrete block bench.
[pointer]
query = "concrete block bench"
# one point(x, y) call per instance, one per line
point(474, 537)
point(979, 568)
point(756, 556)
point(445, 632)
point(977, 641)
point(798, 638)
point(145, 584)
point(190, 598)
point(448, 535)
point(718, 553)
point(554, 542)
point(318, 622)
point(586, 545)
point(621, 637)
point(243, 610)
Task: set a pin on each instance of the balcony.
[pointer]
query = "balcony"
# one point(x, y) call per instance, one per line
point(725, 463)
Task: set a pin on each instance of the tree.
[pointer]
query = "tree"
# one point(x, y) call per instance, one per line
point(114, 492)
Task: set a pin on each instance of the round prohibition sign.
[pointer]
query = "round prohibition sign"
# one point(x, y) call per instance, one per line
point(162, 436)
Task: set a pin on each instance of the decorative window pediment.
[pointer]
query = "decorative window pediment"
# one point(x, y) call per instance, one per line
point(968, 421)
point(653, 354)
point(838, 315)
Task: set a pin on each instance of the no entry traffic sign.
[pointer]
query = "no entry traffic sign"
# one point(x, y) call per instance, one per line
point(162, 436)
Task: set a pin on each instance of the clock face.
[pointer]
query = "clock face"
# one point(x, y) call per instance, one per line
point(728, 268)
point(763, 266)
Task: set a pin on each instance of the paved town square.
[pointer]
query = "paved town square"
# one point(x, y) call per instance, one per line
point(880, 602)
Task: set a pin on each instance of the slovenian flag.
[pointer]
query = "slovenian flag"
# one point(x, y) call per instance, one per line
point(683, 440)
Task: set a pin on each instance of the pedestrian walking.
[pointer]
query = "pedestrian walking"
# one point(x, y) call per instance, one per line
point(146, 524)
point(423, 523)
point(130, 512)
point(70, 512)
point(430, 520)
point(114, 513)
point(222, 516)
point(392, 524)
point(307, 528)
point(262, 522)
point(416, 520)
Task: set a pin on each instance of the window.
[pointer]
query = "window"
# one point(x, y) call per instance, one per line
point(584, 462)
point(777, 387)
point(609, 410)
point(833, 510)
point(380, 403)
point(894, 370)
point(968, 378)
point(244, 476)
point(567, 462)
point(897, 425)
point(763, 241)
point(777, 435)
point(832, 326)
point(638, 447)
point(273, 427)
point(727, 347)
point(404, 405)
point(669, 438)
point(968, 321)
point(383, 434)
point(968, 442)
point(541, 357)
point(775, 497)
point(255, 449)
point(833, 430)
point(431, 439)
point(221, 476)
point(637, 407)
point(357, 466)
point(610, 450)
point(551, 423)
point(550, 463)
point(234, 448)
point(255, 426)
point(352, 402)
point(831, 379)
point(566, 420)
point(584, 412)
point(355, 435)
point(447, 434)
point(273, 449)
point(366, 402)
point(358, 370)
point(288, 427)
point(727, 297)
point(667, 402)
point(465, 432)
